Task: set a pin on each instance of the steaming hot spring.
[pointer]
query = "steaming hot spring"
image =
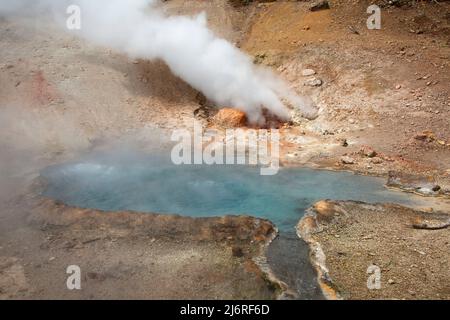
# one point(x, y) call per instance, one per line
point(153, 184)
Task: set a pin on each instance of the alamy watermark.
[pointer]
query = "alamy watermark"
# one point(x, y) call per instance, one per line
point(236, 147)
point(73, 22)
point(74, 280)
point(374, 20)
point(374, 280)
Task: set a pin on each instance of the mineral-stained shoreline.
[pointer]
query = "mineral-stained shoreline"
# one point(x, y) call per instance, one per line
point(130, 255)
point(346, 237)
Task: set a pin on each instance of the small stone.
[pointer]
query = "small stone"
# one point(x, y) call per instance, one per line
point(314, 82)
point(391, 281)
point(371, 154)
point(368, 152)
point(51, 259)
point(308, 72)
point(436, 188)
point(398, 86)
point(320, 5)
point(426, 135)
point(347, 160)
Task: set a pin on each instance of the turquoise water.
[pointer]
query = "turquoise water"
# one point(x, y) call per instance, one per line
point(151, 184)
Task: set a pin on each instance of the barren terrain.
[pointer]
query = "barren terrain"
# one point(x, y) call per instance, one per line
point(349, 237)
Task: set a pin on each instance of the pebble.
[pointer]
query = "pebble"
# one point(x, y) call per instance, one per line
point(391, 281)
point(347, 160)
point(308, 72)
point(314, 82)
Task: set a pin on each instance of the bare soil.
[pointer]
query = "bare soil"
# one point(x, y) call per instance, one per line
point(413, 263)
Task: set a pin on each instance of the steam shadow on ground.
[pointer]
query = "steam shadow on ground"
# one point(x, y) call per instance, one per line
point(153, 79)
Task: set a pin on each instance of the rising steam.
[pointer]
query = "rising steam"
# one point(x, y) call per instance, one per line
point(209, 64)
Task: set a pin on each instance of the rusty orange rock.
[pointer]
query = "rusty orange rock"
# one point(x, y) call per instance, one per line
point(230, 118)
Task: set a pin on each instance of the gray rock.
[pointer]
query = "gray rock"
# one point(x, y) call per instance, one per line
point(314, 82)
point(347, 160)
point(320, 5)
point(308, 72)
point(344, 142)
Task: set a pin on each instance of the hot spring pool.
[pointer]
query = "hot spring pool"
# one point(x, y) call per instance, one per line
point(151, 184)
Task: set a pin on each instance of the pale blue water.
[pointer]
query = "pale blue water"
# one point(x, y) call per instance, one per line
point(150, 184)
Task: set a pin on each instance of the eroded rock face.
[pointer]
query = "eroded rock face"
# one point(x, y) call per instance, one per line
point(230, 118)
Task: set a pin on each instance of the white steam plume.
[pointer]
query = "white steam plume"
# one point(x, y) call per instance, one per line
point(210, 64)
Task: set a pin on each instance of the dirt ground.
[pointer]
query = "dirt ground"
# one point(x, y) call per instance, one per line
point(385, 91)
point(127, 255)
point(380, 87)
point(413, 263)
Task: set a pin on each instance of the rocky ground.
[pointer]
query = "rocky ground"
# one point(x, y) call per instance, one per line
point(384, 90)
point(384, 104)
point(127, 255)
point(347, 238)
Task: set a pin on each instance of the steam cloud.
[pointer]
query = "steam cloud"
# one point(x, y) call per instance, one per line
point(210, 64)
